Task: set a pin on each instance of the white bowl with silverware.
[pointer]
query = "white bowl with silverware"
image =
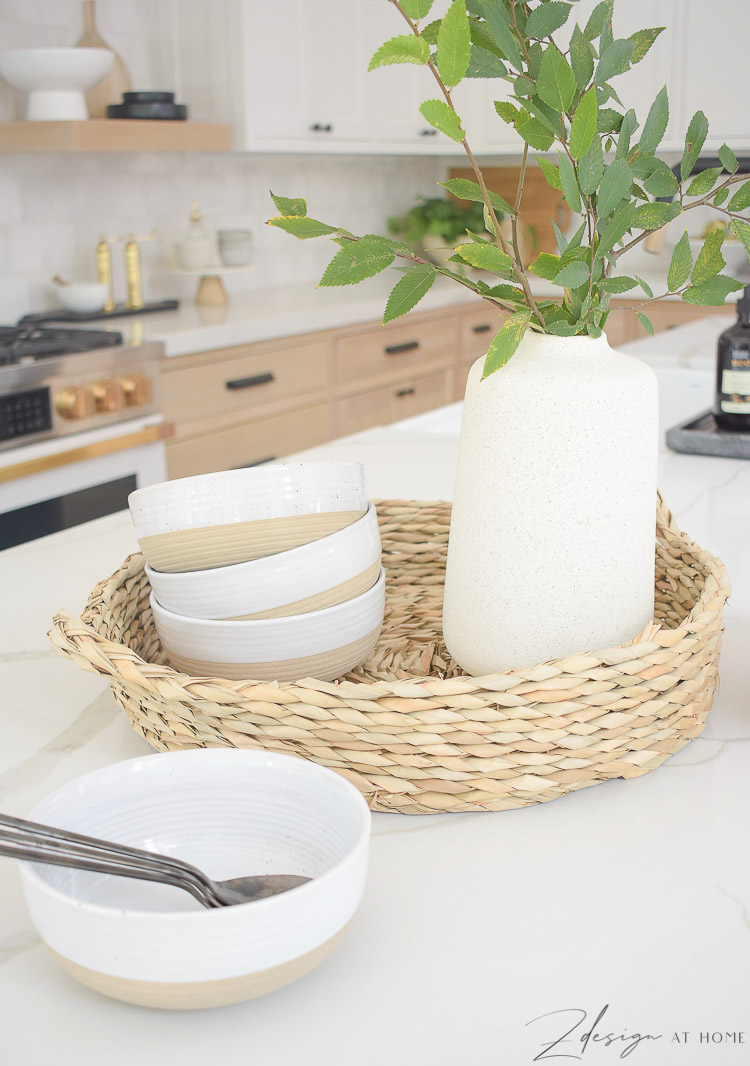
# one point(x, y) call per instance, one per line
point(313, 576)
point(231, 813)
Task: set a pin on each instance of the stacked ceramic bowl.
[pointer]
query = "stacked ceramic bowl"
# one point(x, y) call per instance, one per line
point(268, 573)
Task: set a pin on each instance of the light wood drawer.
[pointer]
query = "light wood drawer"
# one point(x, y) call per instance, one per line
point(394, 352)
point(251, 442)
point(477, 330)
point(379, 407)
point(244, 382)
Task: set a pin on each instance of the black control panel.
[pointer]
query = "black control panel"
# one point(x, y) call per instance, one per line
point(24, 413)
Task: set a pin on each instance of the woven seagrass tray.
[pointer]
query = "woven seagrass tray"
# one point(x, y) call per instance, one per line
point(414, 734)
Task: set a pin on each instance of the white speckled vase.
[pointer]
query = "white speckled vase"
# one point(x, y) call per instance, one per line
point(551, 546)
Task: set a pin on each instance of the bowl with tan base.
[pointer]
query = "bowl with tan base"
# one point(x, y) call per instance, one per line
point(209, 520)
point(231, 813)
point(323, 644)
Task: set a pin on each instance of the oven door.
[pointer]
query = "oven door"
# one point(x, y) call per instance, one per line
point(56, 484)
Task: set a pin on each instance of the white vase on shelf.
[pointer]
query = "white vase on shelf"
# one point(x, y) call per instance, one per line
point(552, 534)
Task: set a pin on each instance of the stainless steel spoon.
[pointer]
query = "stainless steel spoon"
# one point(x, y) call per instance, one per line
point(21, 839)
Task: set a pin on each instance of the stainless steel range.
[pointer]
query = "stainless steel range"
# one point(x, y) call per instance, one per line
point(80, 427)
point(55, 382)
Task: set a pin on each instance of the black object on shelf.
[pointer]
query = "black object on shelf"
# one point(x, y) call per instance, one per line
point(702, 436)
point(149, 105)
point(119, 311)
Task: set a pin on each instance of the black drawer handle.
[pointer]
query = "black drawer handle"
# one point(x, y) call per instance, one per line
point(258, 462)
point(484, 328)
point(428, 133)
point(405, 392)
point(322, 127)
point(396, 349)
point(250, 383)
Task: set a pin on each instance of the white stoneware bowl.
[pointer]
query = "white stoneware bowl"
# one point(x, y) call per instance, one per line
point(322, 644)
point(82, 296)
point(315, 575)
point(232, 813)
point(55, 79)
point(210, 520)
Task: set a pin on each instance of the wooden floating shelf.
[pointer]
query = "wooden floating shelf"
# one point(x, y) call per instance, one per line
point(114, 135)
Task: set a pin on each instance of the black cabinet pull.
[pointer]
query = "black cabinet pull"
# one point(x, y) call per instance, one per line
point(322, 127)
point(427, 133)
point(250, 383)
point(396, 349)
point(484, 328)
point(405, 392)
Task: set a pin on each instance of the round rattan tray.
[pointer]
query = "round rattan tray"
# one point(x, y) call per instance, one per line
point(414, 734)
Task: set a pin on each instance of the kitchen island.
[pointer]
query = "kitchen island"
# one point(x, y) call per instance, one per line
point(481, 937)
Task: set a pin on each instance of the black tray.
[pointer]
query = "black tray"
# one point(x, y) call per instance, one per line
point(119, 311)
point(702, 436)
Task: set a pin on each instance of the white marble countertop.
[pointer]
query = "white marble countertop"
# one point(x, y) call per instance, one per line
point(267, 313)
point(634, 895)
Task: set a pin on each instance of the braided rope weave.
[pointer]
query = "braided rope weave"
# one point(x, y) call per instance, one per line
point(414, 734)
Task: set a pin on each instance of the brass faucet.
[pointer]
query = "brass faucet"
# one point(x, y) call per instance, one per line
point(104, 268)
point(133, 268)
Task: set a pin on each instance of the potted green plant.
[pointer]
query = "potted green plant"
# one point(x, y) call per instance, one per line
point(434, 225)
point(551, 547)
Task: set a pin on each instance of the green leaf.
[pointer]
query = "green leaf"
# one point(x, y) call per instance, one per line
point(581, 58)
point(502, 292)
point(661, 181)
point(505, 342)
point(507, 112)
point(551, 173)
point(646, 287)
point(409, 291)
point(655, 125)
point(569, 183)
point(614, 60)
point(430, 32)
point(356, 261)
point(416, 9)
point(546, 266)
point(546, 18)
point(482, 64)
point(301, 226)
point(583, 127)
point(534, 132)
point(616, 228)
point(741, 198)
point(465, 189)
point(596, 22)
point(642, 41)
point(680, 264)
point(482, 38)
point(572, 275)
point(485, 256)
point(556, 84)
point(454, 44)
point(290, 206)
point(609, 120)
point(694, 139)
point(710, 261)
point(646, 322)
point(591, 168)
point(655, 215)
point(615, 285)
point(614, 187)
point(720, 196)
point(523, 87)
point(712, 293)
point(401, 50)
point(443, 118)
point(741, 230)
point(728, 159)
point(704, 182)
point(628, 127)
point(498, 23)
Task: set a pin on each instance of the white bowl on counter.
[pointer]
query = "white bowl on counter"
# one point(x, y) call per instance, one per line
point(324, 644)
point(320, 574)
point(211, 520)
point(83, 297)
point(55, 79)
point(232, 813)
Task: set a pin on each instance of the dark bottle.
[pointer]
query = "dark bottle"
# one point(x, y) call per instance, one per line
point(732, 404)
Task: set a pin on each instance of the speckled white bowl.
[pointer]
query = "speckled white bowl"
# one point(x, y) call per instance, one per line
point(315, 575)
point(197, 523)
point(322, 644)
point(230, 812)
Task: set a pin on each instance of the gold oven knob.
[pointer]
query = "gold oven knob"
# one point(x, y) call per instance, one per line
point(74, 403)
point(108, 396)
point(137, 390)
